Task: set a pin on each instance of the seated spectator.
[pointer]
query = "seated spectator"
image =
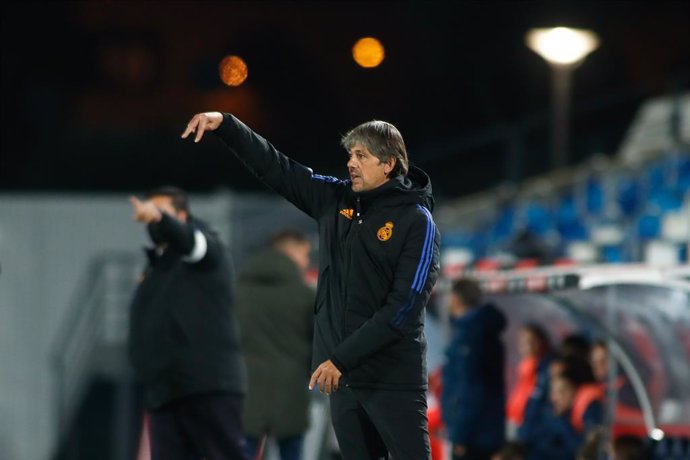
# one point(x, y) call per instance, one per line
point(576, 345)
point(472, 400)
point(630, 448)
point(600, 366)
point(580, 369)
point(594, 445)
point(558, 431)
point(532, 386)
point(510, 451)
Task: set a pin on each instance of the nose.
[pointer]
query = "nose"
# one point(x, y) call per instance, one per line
point(351, 162)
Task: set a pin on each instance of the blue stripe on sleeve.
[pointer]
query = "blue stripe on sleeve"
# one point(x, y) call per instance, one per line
point(328, 179)
point(422, 270)
point(400, 317)
point(425, 250)
point(429, 253)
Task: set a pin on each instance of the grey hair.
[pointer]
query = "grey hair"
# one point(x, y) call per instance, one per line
point(383, 140)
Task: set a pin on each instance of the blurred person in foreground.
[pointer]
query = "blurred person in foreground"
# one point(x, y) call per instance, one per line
point(473, 398)
point(183, 336)
point(275, 309)
point(378, 262)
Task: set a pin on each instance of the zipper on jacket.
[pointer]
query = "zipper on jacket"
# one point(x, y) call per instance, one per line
point(348, 261)
point(359, 211)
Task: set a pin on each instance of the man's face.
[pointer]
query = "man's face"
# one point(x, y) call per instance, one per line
point(366, 171)
point(164, 203)
point(562, 395)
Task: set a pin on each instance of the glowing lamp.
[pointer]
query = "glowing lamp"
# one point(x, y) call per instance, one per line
point(233, 70)
point(368, 52)
point(561, 45)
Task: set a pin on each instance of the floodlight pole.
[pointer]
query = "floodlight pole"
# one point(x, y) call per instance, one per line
point(561, 87)
point(563, 49)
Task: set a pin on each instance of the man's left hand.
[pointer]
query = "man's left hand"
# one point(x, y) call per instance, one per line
point(326, 376)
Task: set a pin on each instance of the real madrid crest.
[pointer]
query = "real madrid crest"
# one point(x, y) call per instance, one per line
point(385, 232)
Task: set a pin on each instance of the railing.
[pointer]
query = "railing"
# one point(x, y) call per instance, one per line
point(98, 317)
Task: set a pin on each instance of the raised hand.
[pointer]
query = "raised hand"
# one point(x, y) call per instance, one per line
point(145, 211)
point(202, 122)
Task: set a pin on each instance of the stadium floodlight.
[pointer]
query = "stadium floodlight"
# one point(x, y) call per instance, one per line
point(564, 49)
point(562, 45)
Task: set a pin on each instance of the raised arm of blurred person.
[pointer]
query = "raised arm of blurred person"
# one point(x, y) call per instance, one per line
point(170, 226)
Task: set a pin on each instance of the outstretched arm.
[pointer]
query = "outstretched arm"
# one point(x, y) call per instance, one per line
point(298, 184)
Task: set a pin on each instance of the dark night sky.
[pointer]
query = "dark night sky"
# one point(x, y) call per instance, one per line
point(95, 94)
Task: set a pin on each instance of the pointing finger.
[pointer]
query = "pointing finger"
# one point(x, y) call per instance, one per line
point(314, 376)
point(191, 126)
point(200, 129)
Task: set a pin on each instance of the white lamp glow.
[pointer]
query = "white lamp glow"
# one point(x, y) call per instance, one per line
point(562, 45)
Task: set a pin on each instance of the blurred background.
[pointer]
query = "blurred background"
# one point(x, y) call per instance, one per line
point(542, 169)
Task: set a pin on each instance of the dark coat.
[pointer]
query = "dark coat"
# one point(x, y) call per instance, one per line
point(473, 398)
point(275, 310)
point(183, 336)
point(553, 437)
point(378, 261)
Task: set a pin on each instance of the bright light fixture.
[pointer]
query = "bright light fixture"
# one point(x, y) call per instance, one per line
point(657, 434)
point(562, 45)
point(368, 52)
point(233, 70)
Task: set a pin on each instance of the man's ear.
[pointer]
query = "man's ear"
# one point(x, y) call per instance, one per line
point(183, 216)
point(389, 165)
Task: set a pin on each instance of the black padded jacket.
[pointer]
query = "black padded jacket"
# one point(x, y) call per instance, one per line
point(378, 262)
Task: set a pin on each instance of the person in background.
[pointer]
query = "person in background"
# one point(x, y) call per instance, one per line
point(628, 405)
point(511, 451)
point(532, 385)
point(559, 430)
point(275, 309)
point(183, 337)
point(576, 345)
point(630, 448)
point(594, 445)
point(473, 397)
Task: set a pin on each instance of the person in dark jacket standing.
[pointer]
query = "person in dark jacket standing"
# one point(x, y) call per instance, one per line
point(183, 337)
point(473, 398)
point(275, 308)
point(378, 261)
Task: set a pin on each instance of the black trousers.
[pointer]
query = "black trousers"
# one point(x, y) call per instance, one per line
point(375, 424)
point(206, 426)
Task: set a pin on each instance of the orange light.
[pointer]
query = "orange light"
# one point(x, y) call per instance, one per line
point(368, 52)
point(233, 70)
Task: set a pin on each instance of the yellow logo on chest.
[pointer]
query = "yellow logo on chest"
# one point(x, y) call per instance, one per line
point(385, 232)
point(347, 213)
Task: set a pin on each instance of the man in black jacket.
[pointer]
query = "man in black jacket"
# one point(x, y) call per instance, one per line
point(378, 261)
point(183, 337)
